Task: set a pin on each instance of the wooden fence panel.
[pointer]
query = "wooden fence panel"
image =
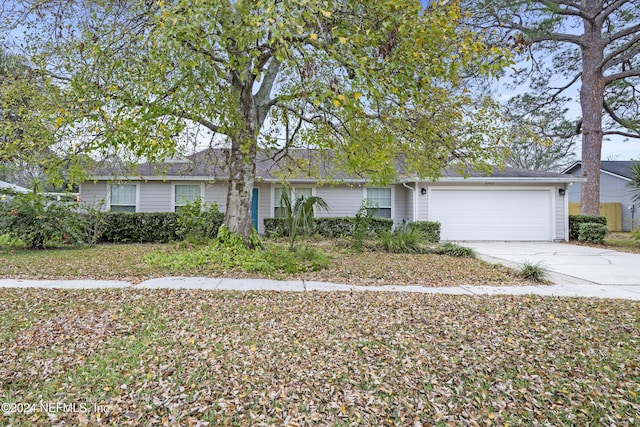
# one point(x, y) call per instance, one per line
point(611, 211)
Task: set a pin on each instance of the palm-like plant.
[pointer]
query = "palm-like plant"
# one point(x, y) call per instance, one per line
point(299, 214)
point(635, 182)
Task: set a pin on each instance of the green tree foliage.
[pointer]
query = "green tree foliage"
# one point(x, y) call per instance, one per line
point(589, 46)
point(366, 82)
point(32, 143)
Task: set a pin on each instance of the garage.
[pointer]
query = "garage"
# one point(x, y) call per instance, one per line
point(504, 213)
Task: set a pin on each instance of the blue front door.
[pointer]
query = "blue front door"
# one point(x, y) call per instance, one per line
point(254, 208)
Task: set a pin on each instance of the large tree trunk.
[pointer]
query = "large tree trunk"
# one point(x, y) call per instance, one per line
point(591, 102)
point(242, 170)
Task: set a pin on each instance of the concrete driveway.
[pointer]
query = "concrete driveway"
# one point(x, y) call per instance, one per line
point(566, 263)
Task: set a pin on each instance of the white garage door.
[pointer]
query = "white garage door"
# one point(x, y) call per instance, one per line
point(496, 214)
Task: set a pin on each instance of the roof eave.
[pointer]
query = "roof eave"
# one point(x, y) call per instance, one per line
point(521, 180)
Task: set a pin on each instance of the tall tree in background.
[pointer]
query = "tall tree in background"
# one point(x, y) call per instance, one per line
point(593, 45)
point(367, 82)
point(540, 139)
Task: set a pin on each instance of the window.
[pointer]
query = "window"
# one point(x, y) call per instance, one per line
point(381, 199)
point(185, 194)
point(278, 209)
point(123, 198)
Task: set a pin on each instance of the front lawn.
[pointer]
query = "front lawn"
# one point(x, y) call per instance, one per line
point(161, 357)
point(134, 262)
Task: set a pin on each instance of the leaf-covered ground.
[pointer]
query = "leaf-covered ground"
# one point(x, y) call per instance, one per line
point(125, 262)
point(143, 357)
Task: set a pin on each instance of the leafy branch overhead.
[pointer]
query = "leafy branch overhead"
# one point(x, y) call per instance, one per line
point(368, 82)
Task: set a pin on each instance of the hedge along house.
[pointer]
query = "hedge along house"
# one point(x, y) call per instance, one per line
point(508, 204)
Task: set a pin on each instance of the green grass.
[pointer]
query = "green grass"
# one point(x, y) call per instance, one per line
point(241, 358)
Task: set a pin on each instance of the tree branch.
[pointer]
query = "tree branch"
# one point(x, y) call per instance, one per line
point(620, 133)
point(627, 49)
point(264, 93)
point(604, 13)
point(623, 33)
point(204, 122)
point(559, 90)
point(560, 37)
point(614, 116)
point(566, 11)
point(622, 75)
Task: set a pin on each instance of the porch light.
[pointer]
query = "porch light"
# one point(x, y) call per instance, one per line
point(423, 191)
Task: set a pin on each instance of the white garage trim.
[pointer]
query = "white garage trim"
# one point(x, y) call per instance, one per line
point(493, 213)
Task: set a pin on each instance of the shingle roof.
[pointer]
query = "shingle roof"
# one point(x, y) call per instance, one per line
point(212, 163)
point(617, 167)
point(622, 168)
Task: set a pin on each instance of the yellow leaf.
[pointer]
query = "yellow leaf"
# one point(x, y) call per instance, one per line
point(341, 97)
point(326, 13)
point(336, 102)
point(313, 36)
point(357, 95)
point(343, 40)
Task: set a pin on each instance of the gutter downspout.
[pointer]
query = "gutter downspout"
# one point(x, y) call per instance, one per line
point(566, 210)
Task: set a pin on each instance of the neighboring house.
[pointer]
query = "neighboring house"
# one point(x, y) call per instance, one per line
point(8, 189)
point(509, 204)
point(615, 193)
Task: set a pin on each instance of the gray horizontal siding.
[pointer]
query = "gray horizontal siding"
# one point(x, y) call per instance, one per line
point(155, 197)
point(216, 193)
point(343, 200)
point(94, 194)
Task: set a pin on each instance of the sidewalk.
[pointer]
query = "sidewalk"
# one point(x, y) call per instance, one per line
point(628, 292)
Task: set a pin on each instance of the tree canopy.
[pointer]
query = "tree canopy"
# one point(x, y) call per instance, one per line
point(368, 82)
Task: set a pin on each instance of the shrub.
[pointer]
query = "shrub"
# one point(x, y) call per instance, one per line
point(93, 222)
point(38, 222)
point(404, 240)
point(361, 224)
point(139, 227)
point(534, 272)
point(576, 220)
point(592, 232)
point(635, 234)
point(330, 226)
point(197, 222)
point(453, 249)
point(233, 254)
point(430, 229)
point(274, 227)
